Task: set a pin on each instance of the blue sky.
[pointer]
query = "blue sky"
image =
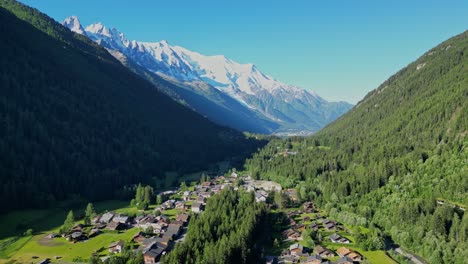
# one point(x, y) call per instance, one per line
point(340, 49)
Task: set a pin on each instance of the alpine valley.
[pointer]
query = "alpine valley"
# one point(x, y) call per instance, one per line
point(125, 152)
point(229, 93)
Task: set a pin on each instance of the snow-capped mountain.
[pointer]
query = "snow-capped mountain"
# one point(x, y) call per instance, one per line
point(288, 106)
point(73, 23)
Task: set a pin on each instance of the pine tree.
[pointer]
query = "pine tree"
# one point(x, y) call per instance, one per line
point(90, 213)
point(68, 224)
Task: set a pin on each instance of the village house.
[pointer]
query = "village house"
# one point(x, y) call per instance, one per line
point(123, 219)
point(51, 235)
point(180, 205)
point(335, 238)
point(183, 218)
point(344, 260)
point(329, 224)
point(115, 226)
point(308, 207)
point(296, 249)
point(201, 199)
point(349, 253)
point(152, 253)
point(106, 218)
point(206, 184)
point(314, 259)
point(139, 237)
point(116, 247)
point(291, 234)
point(76, 236)
point(324, 252)
point(94, 232)
point(197, 207)
point(172, 231)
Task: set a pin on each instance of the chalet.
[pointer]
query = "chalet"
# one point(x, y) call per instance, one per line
point(324, 252)
point(138, 218)
point(106, 218)
point(349, 253)
point(335, 238)
point(94, 232)
point(95, 220)
point(205, 194)
point(51, 235)
point(344, 260)
point(77, 228)
point(149, 241)
point(329, 224)
point(206, 184)
point(76, 236)
point(180, 205)
point(314, 259)
point(300, 227)
point(296, 249)
point(113, 226)
point(153, 252)
point(163, 240)
point(169, 204)
point(183, 218)
point(201, 199)
point(355, 256)
point(197, 207)
point(172, 231)
point(139, 237)
point(314, 226)
point(121, 219)
point(308, 207)
point(291, 234)
point(100, 225)
point(116, 247)
point(162, 219)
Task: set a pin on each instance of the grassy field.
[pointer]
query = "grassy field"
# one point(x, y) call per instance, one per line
point(42, 247)
point(14, 246)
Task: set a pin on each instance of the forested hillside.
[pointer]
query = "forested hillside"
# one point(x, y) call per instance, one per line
point(229, 231)
point(389, 160)
point(75, 122)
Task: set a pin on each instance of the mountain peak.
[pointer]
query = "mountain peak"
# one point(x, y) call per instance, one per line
point(73, 23)
point(99, 29)
point(164, 42)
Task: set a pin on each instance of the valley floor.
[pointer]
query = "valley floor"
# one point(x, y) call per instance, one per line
point(292, 236)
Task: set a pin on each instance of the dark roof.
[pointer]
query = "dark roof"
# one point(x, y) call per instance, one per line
point(344, 260)
point(117, 243)
point(76, 234)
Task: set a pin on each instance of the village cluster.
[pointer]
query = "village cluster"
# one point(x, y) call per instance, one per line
point(164, 230)
point(297, 253)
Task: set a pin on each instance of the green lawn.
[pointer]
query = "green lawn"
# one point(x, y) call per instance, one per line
point(43, 222)
point(10, 245)
point(377, 257)
point(49, 248)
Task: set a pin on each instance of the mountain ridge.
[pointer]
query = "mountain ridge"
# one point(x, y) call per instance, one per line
point(289, 106)
point(80, 125)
